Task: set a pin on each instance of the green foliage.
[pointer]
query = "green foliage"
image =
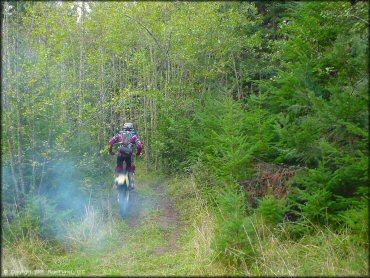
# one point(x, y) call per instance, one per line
point(221, 145)
point(174, 125)
point(40, 217)
point(322, 113)
point(213, 86)
point(272, 209)
point(235, 235)
point(357, 219)
point(321, 194)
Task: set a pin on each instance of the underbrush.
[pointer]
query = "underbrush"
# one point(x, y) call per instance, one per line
point(226, 236)
point(197, 215)
point(323, 253)
point(38, 239)
point(259, 242)
point(28, 255)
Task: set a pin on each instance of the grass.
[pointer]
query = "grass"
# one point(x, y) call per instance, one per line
point(98, 245)
point(102, 244)
point(324, 253)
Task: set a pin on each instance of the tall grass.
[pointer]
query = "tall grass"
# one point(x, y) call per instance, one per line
point(28, 251)
point(322, 253)
point(198, 217)
point(89, 231)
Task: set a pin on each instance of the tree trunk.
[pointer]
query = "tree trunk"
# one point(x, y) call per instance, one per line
point(47, 92)
point(12, 168)
point(236, 78)
point(146, 133)
point(81, 74)
point(101, 123)
point(19, 110)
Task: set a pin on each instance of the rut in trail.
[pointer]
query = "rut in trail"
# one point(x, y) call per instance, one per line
point(169, 218)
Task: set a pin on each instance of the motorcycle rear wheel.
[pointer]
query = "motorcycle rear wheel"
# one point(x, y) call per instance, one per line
point(123, 200)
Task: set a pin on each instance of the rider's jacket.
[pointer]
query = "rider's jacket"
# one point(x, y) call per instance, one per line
point(134, 139)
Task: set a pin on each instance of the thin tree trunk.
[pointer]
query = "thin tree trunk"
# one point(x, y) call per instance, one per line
point(101, 98)
point(7, 106)
point(236, 77)
point(19, 110)
point(151, 121)
point(156, 127)
point(12, 168)
point(48, 92)
point(82, 73)
point(146, 133)
point(259, 110)
point(33, 153)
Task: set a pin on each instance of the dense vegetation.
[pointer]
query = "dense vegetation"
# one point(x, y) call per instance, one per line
point(264, 105)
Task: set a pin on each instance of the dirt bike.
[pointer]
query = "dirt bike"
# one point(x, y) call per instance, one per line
point(124, 183)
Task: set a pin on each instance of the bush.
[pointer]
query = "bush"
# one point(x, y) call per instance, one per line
point(357, 219)
point(272, 209)
point(40, 217)
point(235, 235)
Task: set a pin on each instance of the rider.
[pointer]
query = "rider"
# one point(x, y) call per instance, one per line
point(127, 138)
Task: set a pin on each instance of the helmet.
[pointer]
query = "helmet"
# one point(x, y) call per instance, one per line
point(128, 126)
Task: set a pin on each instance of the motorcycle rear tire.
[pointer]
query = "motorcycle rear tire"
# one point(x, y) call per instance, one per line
point(123, 200)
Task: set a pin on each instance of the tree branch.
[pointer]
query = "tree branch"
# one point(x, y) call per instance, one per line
point(147, 29)
point(361, 19)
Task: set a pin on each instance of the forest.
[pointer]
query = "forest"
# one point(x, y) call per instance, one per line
point(254, 117)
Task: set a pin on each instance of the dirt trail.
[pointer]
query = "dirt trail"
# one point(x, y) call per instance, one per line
point(169, 218)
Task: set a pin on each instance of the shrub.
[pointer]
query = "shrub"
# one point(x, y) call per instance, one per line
point(272, 209)
point(357, 219)
point(40, 217)
point(235, 235)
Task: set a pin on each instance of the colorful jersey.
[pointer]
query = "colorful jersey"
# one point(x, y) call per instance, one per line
point(134, 139)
